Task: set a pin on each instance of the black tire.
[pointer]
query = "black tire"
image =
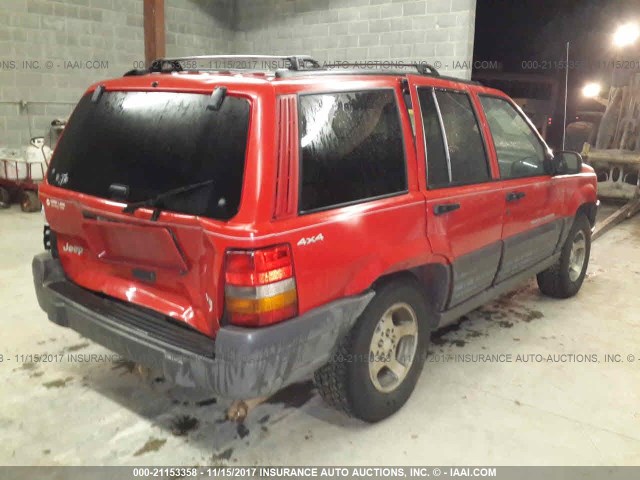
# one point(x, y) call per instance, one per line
point(346, 383)
point(29, 201)
point(5, 198)
point(558, 281)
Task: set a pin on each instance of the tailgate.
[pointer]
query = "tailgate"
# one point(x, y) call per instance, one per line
point(163, 148)
point(174, 269)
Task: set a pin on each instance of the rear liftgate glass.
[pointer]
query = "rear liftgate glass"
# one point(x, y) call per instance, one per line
point(139, 145)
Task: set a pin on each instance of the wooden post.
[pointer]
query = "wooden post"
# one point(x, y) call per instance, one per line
point(154, 42)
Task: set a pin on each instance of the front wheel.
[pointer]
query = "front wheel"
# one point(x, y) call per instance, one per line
point(378, 364)
point(565, 277)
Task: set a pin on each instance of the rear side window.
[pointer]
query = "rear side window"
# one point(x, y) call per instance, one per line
point(437, 163)
point(351, 148)
point(466, 147)
point(453, 142)
point(520, 152)
point(154, 142)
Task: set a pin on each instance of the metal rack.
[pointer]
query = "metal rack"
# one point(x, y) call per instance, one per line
point(422, 68)
point(233, 63)
point(292, 65)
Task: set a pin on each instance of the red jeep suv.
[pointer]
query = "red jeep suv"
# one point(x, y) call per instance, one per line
point(241, 228)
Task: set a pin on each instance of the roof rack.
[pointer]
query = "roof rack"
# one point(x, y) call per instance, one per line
point(422, 68)
point(231, 63)
point(292, 65)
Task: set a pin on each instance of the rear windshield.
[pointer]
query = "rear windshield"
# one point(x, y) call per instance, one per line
point(154, 142)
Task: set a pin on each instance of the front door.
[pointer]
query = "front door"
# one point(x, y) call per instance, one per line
point(464, 205)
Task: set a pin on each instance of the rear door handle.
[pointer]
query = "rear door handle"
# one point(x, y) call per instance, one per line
point(445, 208)
point(513, 196)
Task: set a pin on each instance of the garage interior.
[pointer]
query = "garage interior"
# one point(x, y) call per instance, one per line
point(570, 411)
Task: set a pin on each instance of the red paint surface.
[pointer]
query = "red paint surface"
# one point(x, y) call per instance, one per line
point(361, 242)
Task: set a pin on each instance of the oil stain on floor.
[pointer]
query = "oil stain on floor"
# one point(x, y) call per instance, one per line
point(60, 383)
point(224, 455)
point(504, 312)
point(183, 424)
point(152, 445)
point(76, 347)
point(242, 430)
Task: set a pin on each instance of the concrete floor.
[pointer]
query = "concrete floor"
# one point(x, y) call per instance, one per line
point(550, 413)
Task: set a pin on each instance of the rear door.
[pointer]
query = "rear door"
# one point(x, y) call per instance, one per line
point(464, 204)
point(531, 228)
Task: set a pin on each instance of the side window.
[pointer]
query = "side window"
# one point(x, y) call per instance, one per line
point(466, 148)
point(437, 162)
point(520, 152)
point(351, 148)
point(407, 103)
point(454, 145)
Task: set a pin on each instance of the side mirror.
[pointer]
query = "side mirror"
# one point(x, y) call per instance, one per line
point(567, 163)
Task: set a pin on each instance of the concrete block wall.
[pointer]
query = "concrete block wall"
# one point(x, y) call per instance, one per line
point(57, 50)
point(51, 51)
point(437, 31)
point(198, 27)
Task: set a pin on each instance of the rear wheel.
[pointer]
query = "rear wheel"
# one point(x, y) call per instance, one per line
point(378, 364)
point(5, 198)
point(565, 277)
point(29, 201)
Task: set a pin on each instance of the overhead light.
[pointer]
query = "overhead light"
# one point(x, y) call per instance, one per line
point(626, 35)
point(591, 90)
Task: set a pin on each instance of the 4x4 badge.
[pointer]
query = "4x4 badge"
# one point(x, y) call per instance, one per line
point(309, 240)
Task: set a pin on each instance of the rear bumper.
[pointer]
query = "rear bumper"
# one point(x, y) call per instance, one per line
point(240, 363)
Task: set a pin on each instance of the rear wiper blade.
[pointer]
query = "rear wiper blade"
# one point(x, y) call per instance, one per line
point(156, 201)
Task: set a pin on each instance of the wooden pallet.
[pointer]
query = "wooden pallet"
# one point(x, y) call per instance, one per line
point(620, 215)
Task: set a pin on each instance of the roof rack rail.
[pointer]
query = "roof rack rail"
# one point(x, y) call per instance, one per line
point(423, 68)
point(234, 62)
point(292, 64)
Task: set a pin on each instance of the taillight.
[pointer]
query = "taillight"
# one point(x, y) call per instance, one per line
point(260, 287)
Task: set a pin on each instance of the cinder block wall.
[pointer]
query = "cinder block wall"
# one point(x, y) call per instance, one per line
point(438, 31)
point(50, 51)
point(198, 27)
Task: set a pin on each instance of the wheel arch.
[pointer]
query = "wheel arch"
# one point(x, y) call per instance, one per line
point(584, 200)
point(433, 280)
point(589, 209)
